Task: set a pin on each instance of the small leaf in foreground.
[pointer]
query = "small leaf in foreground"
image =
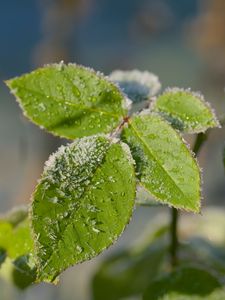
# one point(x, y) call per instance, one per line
point(82, 203)
point(16, 241)
point(185, 110)
point(137, 85)
point(17, 245)
point(186, 283)
point(15, 216)
point(164, 164)
point(24, 271)
point(69, 100)
point(20, 272)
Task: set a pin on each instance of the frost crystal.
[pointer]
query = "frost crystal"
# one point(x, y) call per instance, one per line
point(71, 166)
point(127, 104)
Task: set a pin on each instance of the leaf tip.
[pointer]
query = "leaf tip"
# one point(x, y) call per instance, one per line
point(8, 82)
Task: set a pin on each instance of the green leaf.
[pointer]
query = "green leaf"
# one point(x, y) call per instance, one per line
point(16, 241)
point(69, 100)
point(15, 216)
point(185, 110)
point(208, 255)
point(164, 164)
point(137, 85)
point(17, 247)
point(82, 203)
point(24, 271)
point(186, 283)
point(21, 272)
point(128, 273)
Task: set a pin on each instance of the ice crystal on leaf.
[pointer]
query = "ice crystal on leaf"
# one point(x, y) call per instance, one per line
point(82, 203)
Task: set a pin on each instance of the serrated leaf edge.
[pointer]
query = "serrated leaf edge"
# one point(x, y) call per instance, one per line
point(60, 65)
point(199, 96)
point(34, 236)
point(181, 207)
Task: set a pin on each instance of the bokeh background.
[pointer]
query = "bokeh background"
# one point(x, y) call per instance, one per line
point(183, 42)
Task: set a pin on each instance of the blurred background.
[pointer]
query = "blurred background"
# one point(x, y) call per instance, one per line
point(183, 42)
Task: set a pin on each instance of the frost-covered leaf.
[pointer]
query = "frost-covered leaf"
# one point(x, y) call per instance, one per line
point(185, 110)
point(82, 203)
point(187, 283)
point(137, 85)
point(164, 164)
point(69, 100)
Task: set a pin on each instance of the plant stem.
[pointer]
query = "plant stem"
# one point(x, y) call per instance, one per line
point(174, 236)
point(200, 140)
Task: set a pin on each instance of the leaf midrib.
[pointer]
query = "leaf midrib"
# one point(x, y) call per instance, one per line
point(160, 165)
point(69, 103)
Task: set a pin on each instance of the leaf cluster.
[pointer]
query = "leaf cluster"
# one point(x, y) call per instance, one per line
point(88, 189)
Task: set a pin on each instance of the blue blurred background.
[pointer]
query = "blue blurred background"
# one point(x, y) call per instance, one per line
point(183, 42)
